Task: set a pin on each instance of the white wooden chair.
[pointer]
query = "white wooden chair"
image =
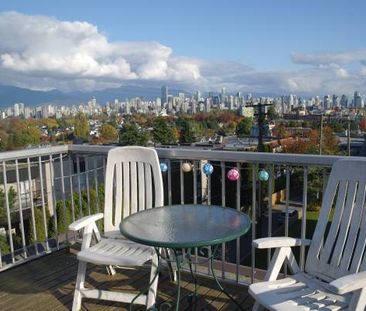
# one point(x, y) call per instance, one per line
point(133, 182)
point(334, 276)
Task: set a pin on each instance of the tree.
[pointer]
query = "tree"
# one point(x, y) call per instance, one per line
point(81, 126)
point(362, 124)
point(108, 134)
point(163, 132)
point(330, 142)
point(244, 126)
point(131, 134)
point(271, 113)
point(190, 132)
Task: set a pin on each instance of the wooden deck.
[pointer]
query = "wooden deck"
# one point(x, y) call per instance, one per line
point(48, 283)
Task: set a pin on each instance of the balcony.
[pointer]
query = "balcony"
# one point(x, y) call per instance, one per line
point(43, 190)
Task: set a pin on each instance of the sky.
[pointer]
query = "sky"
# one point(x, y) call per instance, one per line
point(311, 47)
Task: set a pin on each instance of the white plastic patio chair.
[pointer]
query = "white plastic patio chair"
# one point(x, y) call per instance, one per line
point(334, 276)
point(133, 182)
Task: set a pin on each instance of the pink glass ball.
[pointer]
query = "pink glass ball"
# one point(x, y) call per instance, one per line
point(233, 174)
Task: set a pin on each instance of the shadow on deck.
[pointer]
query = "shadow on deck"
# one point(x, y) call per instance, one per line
point(48, 284)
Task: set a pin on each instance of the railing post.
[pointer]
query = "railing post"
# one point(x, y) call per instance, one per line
point(254, 225)
point(303, 218)
point(8, 212)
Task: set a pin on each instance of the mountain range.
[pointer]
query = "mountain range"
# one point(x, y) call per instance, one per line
point(11, 94)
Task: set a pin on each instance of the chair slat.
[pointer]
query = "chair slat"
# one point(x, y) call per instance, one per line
point(148, 186)
point(345, 223)
point(354, 227)
point(118, 197)
point(133, 180)
point(329, 243)
point(126, 189)
point(141, 186)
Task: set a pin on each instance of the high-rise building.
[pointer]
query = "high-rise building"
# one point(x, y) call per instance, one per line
point(231, 102)
point(208, 104)
point(222, 95)
point(344, 101)
point(164, 95)
point(335, 101)
point(197, 96)
point(16, 110)
point(357, 100)
point(326, 102)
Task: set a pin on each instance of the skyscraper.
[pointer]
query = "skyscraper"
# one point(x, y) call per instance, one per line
point(222, 95)
point(357, 100)
point(344, 101)
point(164, 95)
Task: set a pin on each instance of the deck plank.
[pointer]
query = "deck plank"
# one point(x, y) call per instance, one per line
point(48, 284)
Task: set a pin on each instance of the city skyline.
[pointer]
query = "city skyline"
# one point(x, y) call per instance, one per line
point(269, 47)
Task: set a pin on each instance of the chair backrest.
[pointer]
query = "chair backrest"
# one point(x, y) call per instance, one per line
point(133, 182)
point(340, 249)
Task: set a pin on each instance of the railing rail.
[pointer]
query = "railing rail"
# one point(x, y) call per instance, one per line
point(66, 181)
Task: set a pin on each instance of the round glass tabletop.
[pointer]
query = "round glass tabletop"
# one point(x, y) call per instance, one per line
point(185, 226)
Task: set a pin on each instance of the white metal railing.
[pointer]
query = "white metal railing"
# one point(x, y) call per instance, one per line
point(67, 181)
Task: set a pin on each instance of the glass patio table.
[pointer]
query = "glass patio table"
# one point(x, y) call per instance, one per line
point(183, 228)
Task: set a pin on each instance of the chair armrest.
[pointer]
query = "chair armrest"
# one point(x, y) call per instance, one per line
point(349, 283)
point(274, 242)
point(82, 222)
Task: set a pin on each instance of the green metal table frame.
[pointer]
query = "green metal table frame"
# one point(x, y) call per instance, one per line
point(182, 229)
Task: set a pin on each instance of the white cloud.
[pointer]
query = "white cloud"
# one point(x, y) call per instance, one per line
point(42, 52)
point(41, 46)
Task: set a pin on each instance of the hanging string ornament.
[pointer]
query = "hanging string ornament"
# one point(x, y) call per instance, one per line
point(263, 175)
point(186, 167)
point(163, 167)
point(233, 174)
point(207, 169)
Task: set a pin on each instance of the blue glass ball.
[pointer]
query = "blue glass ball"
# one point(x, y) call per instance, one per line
point(163, 167)
point(207, 168)
point(263, 175)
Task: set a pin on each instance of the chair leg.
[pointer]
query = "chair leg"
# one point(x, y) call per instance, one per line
point(110, 270)
point(154, 276)
point(76, 305)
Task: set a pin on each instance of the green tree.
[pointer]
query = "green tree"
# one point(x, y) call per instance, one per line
point(108, 134)
point(271, 113)
point(163, 132)
point(81, 126)
point(131, 134)
point(244, 126)
point(40, 229)
point(190, 132)
point(11, 199)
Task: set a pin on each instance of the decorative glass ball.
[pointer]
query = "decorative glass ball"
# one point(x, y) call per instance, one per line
point(163, 167)
point(207, 168)
point(263, 175)
point(186, 167)
point(233, 174)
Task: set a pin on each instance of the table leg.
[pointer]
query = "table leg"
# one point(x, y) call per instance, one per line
point(179, 260)
point(193, 298)
point(217, 281)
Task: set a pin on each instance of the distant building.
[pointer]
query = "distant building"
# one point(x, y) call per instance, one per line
point(344, 101)
point(164, 95)
point(247, 112)
point(16, 110)
point(357, 100)
point(326, 102)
